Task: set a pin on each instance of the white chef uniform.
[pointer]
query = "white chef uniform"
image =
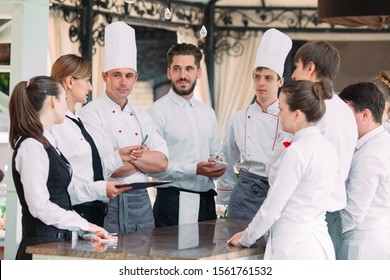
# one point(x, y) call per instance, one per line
point(250, 138)
point(338, 125)
point(294, 210)
point(366, 218)
point(113, 127)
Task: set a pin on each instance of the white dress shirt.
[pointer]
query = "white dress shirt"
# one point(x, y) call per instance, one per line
point(368, 188)
point(367, 214)
point(248, 142)
point(78, 152)
point(296, 202)
point(190, 130)
point(32, 163)
point(113, 128)
point(338, 125)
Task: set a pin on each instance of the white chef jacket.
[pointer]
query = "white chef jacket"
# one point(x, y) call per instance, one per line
point(338, 125)
point(367, 213)
point(294, 208)
point(78, 152)
point(32, 163)
point(248, 142)
point(191, 131)
point(113, 128)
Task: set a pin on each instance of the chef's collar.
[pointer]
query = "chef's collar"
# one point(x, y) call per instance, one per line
point(272, 109)
point(116, 105)
point(306, 131)
point(366, 137)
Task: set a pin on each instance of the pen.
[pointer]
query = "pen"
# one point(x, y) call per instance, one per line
point(143, 142)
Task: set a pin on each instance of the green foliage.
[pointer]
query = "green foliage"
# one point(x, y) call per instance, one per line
point(4, 83)
point(225, 213)
point(3, 209)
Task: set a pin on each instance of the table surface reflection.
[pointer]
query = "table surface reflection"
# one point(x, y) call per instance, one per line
point(204, 240)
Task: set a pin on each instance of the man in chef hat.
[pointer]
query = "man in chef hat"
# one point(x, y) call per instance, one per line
point(251, 132)
point(115, 123)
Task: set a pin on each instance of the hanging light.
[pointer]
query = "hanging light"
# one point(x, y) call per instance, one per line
point(203, 31)
point(167, 13)
point(130, 1)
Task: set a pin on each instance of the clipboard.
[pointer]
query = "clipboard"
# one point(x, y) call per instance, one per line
point(142, 185)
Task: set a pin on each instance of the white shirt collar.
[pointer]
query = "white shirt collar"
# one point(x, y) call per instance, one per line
point(181, 101)
point(50, 138)
point(366, 137)
point(71, 115)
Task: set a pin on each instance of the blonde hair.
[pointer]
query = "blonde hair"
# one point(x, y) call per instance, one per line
point(383, 84)
point(70, 65)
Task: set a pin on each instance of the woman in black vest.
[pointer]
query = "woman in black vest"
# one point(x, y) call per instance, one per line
point(41, 173)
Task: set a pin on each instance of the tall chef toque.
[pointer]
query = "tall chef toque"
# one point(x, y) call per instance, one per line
point(273, 50)
point(120, 47)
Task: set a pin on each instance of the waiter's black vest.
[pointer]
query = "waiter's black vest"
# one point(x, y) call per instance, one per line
point(34, 231)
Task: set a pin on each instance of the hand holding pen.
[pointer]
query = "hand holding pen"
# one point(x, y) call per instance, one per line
point(143, 142)
point(131, 153)
point(137, 153)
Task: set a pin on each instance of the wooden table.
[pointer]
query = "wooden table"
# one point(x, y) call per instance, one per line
point(204, 240)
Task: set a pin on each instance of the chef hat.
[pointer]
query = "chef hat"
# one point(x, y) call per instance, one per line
point(120, 46)
point(273, 50)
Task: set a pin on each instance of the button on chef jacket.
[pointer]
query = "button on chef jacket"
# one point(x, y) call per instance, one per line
point(113, 128)
point(77, 151)
point(190, 130)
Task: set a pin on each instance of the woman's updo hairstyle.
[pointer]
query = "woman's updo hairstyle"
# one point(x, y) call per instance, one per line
point(308, 97)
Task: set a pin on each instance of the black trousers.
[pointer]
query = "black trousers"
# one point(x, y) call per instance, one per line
point(94, 211)
point(166, 206)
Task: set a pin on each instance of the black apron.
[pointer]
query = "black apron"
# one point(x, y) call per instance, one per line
point(166, 206)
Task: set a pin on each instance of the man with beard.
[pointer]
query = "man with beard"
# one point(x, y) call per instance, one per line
point(190, 130)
